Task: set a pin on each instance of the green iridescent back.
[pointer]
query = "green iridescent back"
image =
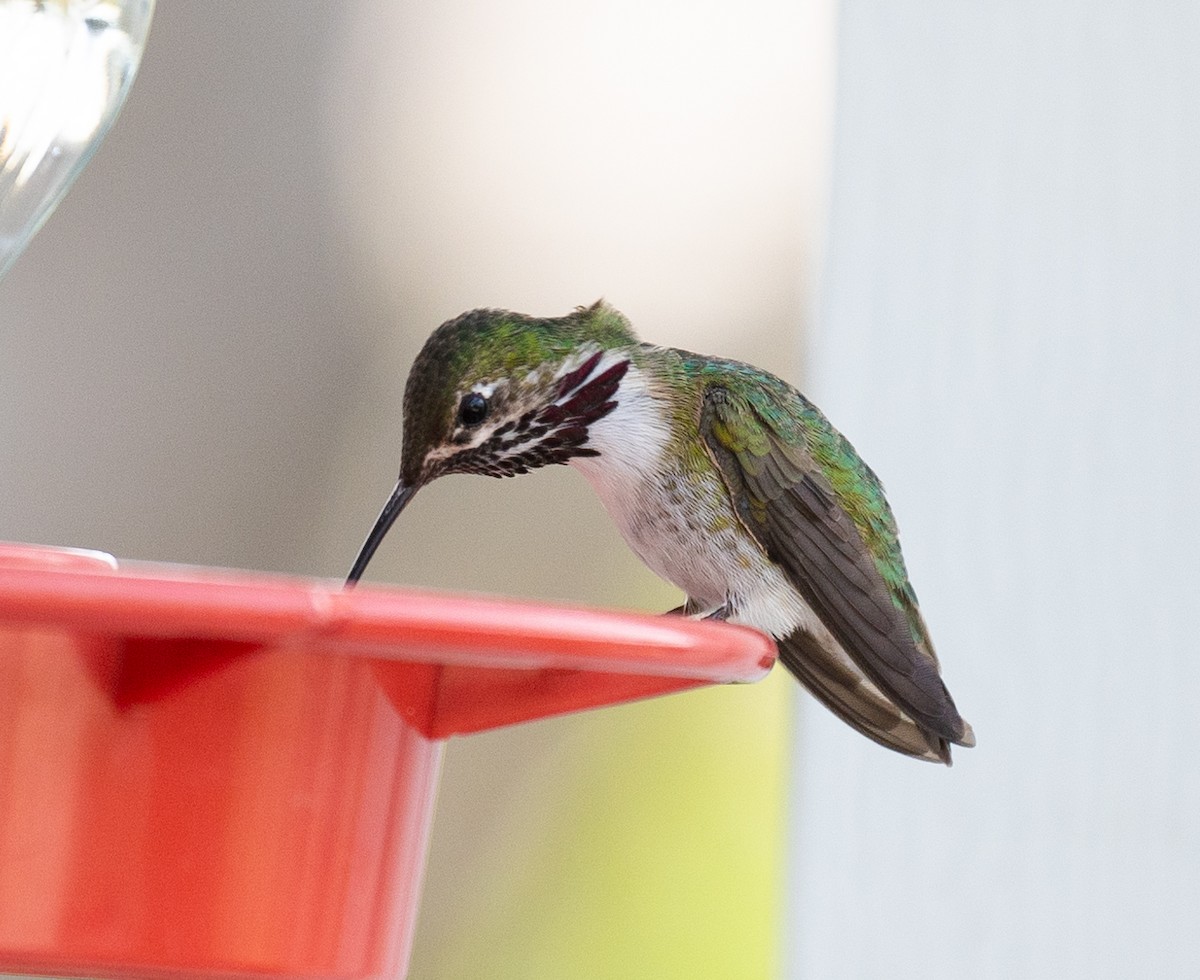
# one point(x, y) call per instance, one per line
point(776, 408)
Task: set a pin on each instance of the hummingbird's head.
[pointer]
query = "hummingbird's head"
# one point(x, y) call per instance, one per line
point(501, 393)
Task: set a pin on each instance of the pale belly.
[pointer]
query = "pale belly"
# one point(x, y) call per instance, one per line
point(689, 541)
point(692, 539)
point(683, 526)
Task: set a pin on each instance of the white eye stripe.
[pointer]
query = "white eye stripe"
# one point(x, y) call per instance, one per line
point(488, 389)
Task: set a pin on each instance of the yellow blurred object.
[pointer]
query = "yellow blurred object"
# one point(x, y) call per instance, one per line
point(663, 859)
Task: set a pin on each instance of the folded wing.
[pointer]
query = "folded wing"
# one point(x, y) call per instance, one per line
point(819, 512)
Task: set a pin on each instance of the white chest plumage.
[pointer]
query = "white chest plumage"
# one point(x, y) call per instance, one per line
point(682, 527)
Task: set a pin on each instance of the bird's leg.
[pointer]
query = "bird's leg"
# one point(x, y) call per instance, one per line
point(692, 608)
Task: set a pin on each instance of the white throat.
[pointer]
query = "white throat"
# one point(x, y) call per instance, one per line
point(631, 439)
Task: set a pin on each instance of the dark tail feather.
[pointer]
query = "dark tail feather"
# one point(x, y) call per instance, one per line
point(849, 694)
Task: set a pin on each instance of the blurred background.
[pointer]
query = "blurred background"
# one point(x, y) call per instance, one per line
point(969, 233)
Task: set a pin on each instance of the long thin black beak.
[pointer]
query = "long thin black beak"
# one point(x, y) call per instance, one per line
point(387, 517)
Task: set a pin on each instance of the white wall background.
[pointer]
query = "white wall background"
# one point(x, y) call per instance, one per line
point(1010, 333)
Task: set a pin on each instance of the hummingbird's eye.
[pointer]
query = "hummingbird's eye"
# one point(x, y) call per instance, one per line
point(472, 409)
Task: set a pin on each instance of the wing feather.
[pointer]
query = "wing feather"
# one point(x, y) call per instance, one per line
point(784, 488)
point(852, 698)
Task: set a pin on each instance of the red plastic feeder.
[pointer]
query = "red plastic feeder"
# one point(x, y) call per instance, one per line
point(205, 773)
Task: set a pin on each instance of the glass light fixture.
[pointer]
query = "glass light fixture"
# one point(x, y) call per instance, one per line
point(65, 69)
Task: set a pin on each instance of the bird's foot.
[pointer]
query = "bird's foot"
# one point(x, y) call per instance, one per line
point(689, 608)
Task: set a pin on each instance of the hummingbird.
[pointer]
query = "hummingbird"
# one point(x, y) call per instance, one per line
point(722, 478)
